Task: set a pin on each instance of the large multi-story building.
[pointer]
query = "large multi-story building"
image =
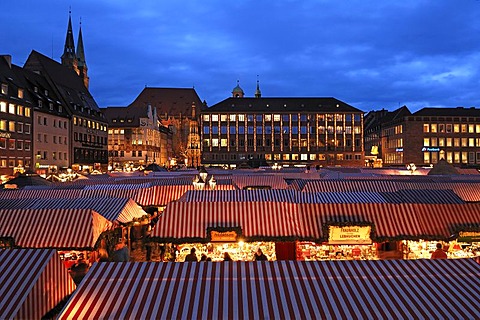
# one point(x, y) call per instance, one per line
point(427, 136)
point(87, 135)
point(16, 105)
point(287, 131)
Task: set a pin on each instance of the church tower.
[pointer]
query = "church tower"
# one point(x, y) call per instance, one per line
point(258, 93)
point(69, 59)
point(82, 64)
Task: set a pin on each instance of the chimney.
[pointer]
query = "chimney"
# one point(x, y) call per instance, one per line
point(8, 58)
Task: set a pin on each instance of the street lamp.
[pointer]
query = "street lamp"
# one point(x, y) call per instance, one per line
point(411, 167)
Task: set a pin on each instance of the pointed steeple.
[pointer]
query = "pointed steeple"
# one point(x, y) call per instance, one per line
point(82, 64)
point(258, 93)
point(69, 58)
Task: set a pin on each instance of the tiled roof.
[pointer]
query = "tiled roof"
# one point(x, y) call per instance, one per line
point(448, 112)
point(283, 105)
point(69, 85)
point(172, 101)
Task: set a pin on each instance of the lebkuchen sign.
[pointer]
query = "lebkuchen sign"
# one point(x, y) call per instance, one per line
point(223, 234)
point(349, 235)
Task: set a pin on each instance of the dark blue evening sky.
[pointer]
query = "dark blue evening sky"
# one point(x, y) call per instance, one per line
point(370, 54)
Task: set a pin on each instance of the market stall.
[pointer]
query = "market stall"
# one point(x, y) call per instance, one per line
point(239, 228)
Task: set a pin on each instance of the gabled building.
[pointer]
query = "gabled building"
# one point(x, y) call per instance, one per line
point(16, 113)
point(384, 136)
point(287, 131)
point(177, 110)
point(426, 136)
point(136, 137)
point(69, 80)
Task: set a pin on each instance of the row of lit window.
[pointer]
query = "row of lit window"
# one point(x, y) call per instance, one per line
point(277, 142)
point(77, 121)
point(15, 109)
point(451, 142)
point(281, 117)
point(43, 155)
point(50, 106)
point(451, 157)
point(15, 144)
point(449, 128)
point(121, 153)
point(14, 126)
point(290, 157)
point(284, 130)
point(41, 120)
point(12, 162)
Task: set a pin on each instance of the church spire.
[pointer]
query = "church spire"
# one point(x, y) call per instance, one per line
point(82, 64)
point(258, 93)
point(68, 57)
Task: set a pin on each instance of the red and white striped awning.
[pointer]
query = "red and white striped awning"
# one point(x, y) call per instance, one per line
point(389, 220)
point(161, 195)
point(187, 220)
point(32, 282)
point(121, 210)
point(388, 289)
point(442, 221)
point(53, 228)
point(257, 180)
point(350, 186)
point(262, 195)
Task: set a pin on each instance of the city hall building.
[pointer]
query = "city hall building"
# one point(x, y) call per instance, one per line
point(258, 131)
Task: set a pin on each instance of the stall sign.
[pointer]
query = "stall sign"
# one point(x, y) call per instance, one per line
point(349, 235)
point(225, 236)
point(468, 236)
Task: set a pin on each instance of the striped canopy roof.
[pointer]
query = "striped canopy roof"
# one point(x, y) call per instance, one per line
point(390, 221)
point(121, 210)
point(32, 282)
point(52, 228)
point(188, 221)
point(388, 289)
point(263, 195)
point(262, 180)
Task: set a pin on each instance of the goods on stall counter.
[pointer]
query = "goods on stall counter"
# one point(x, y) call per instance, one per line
point(238, 251)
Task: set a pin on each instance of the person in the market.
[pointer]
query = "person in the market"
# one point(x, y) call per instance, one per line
point(192, 256)
point(121, 253)
point(102, 251)
point(259, 256)
point(226, 256)
point(439, 253)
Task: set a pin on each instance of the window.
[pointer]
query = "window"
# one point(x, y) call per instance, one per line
point(3, 125)
point(233, 117)
point(433, 128)
point(223, 129)
point(304, 156)
point(26, 145)
point(426, 142)
point(286, 118)
point(456, 128)
point(294, 130)
point(223, 117)
point(20, 110)
point(55, 139)
point(276, 117)
point(268, 117)
point(11, 108)
point(11, 126)
point(259, 130)
point(232, 130)
point(3, 106)
point(3, 143)
point(214, 142)
point(206, 130)
point(4, 88)
point(11, 144)
point(464, 128)
point(214, 129)
point(241, 130)
point(206, 117)
point(19, 127)
point(259, 118)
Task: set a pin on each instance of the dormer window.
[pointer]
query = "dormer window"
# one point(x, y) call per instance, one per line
point(60, 109)
point(51, 106)
point(35, 89)
point(20, 93)
point(4, 88)
point(46, 93)
point(40, 103)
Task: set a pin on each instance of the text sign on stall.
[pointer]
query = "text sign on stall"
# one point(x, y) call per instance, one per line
point(468, 236)
point(225, 236)
point(349, 235)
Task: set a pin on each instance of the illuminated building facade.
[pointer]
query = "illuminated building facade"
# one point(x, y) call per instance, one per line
point(287, 131)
